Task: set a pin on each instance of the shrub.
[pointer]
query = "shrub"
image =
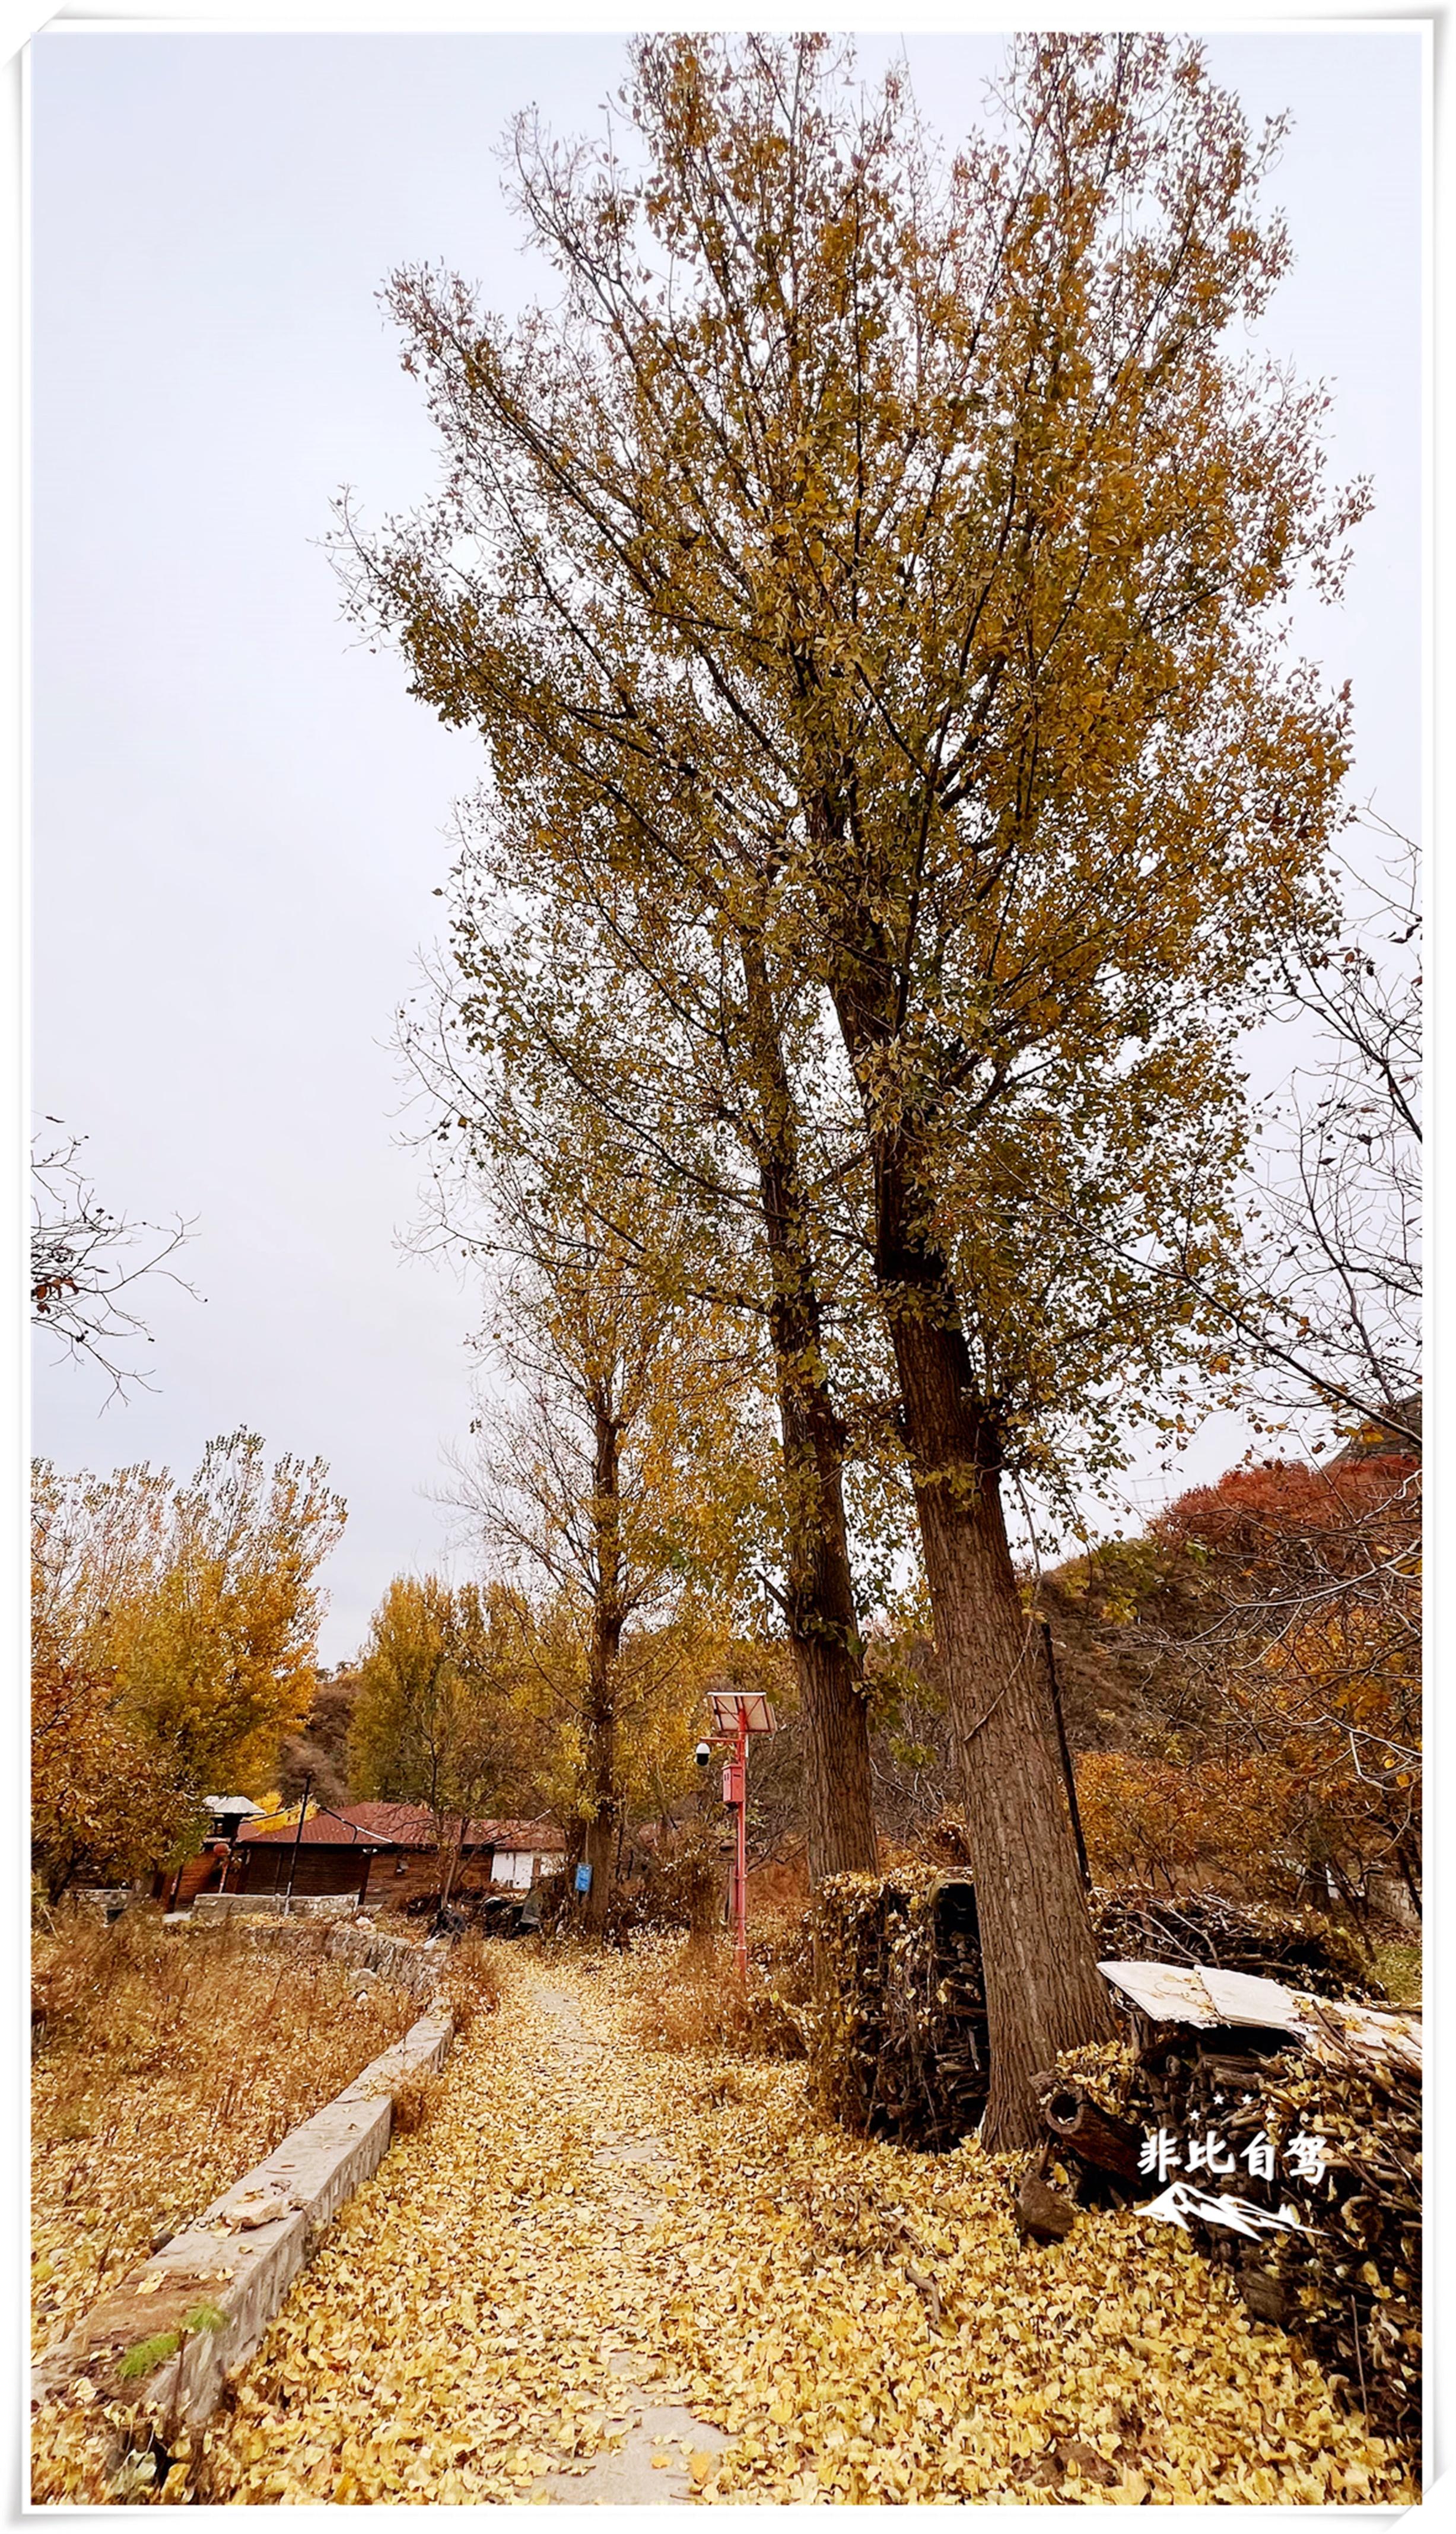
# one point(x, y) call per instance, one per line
point(688, 1999)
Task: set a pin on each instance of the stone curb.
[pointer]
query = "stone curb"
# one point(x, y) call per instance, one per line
point(245, 2269)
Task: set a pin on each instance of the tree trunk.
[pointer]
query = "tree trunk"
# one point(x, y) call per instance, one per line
point(1043, 1992)
point(599, 1846)
point(824, 1636)
point(819, 1605)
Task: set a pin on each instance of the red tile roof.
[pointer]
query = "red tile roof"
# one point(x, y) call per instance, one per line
point(400, 1826)
point(323, 1829)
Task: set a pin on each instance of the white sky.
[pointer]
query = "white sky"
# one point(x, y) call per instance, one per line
point(240, 819)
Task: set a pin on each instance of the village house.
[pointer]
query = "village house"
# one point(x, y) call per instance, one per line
point(388, 1853)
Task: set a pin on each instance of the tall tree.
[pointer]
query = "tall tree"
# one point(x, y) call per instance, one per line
point(908, 531)
point(680, 1037)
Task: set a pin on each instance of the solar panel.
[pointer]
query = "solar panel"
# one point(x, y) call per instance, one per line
point(726, 1703)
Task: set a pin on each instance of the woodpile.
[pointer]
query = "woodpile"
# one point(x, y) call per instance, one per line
point(898, 2031)
point(1296, 1945)
point(898, 2049)
point(1349, 2281)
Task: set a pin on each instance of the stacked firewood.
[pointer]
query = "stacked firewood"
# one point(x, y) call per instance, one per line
point(1296, 1945)
point(1351, 2280)
point(1328, 2131)
point(898, 2031)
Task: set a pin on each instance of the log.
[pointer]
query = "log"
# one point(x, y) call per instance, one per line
point(1099, 2137)
point(1266, 2296)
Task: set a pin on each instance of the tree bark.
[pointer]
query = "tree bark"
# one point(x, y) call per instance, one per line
point(1043, 1992)
point(819, 1605)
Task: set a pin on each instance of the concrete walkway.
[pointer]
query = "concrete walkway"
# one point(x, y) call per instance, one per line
point(637, 2474)
point(485, 2322)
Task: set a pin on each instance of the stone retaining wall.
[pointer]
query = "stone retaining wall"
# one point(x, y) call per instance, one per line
point(406, 1963)
point(242, 2256)
point(210, 1906)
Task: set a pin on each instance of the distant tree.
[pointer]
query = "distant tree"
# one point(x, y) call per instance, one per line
point(199, 1600)
point(318, 1751)
point(1275, 1746)
point(84, 1259)
point(438, 1718)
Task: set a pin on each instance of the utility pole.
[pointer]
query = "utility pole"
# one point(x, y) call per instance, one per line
point(297, 1844)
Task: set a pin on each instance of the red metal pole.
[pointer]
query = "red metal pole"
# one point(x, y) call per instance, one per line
point(741, 1895)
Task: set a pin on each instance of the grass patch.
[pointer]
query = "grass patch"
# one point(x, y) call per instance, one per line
point(165, 2067)
point(1397, 1966)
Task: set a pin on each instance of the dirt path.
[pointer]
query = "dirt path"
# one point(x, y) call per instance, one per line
point(603, 2274)
point(650, 2464)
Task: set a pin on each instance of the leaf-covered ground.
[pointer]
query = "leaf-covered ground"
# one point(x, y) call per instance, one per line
point(861, 2322)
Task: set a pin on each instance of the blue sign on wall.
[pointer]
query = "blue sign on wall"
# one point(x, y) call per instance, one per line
point(584, 1878)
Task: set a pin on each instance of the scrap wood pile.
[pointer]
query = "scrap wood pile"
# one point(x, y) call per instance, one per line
point(1296, 1946)
point(1348, 2078)
point(898, 2031)
point(897, 2036)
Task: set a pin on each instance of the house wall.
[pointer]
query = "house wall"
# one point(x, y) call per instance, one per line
point(393, 1880)
point(512, 1865)
point(264, 1865)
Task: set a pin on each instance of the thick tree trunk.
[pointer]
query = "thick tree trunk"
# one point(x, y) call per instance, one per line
point(599, 1852)
point(1043, 1992)
point(821, 1615)
point(824, 1636)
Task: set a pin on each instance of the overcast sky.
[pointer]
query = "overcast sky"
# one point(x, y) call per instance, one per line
point(239, 818)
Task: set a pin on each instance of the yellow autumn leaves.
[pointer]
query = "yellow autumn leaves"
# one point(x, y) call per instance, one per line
point(477, 2317)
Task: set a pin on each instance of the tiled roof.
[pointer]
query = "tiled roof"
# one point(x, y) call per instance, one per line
point(400, 1826)
point(323, 1829)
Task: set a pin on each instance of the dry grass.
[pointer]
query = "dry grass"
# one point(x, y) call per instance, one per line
point(1397, 1967)
point(475, 1979)
point(166, 2066)
point(687, 1998)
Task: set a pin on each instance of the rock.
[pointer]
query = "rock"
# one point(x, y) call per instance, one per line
point(257, 2208)
point(1046, 2215)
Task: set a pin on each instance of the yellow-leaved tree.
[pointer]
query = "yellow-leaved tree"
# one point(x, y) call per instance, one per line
point(906, 546)
point(620, 1485)
point(190, 1612)
point(439, 1718)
